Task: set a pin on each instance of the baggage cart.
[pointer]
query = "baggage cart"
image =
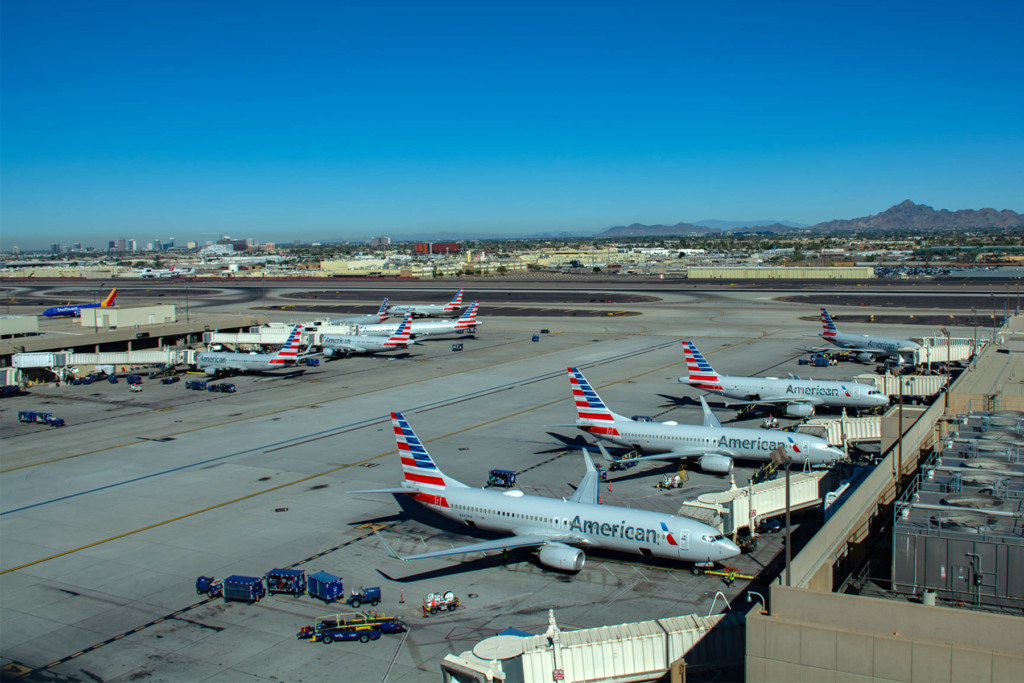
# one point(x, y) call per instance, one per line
point(226, 388)
point(287, 581)
point(134, 379)
point(170, 380)
point(312, 362)
point(505, 479)
point(247, 589)
point(327, 587)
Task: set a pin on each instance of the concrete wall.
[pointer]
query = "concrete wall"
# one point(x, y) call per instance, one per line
point(11, 325)
point(820, 636)
point(794, 273)
point(129, 316)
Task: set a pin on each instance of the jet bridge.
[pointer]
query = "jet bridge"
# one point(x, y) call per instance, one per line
point(739, 508)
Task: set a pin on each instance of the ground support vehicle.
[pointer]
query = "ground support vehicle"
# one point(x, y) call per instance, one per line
point(327, 587)
point(536, 337)
point(248, 589)
point(623, 463)
point(505, 479)
point(545, 331)
point(135, 388)
point(10, 390)
point(456, 347)
point(226, 388)
point(207, 585)
point(364, 596)
point(134, 379)
point(340, 627)
point(288, 581)
point(196, 384)
point(112, 379)
point(312, 362)
point(436, 602)
point(42, 418)
point(642, 418)
point(670, 481)
point(170, 380)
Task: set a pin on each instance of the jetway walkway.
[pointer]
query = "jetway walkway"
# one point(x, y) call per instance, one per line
point(166, 356)
point(938, 349)
point(844, 430)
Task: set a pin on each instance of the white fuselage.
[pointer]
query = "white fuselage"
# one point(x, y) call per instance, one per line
point(421, 329)
point(424, 310)
point(881, 347)
point(737, 442)
point(357, 343)
point(359, 320)
point(602, 526)
point(216, 360)
point(819, 392)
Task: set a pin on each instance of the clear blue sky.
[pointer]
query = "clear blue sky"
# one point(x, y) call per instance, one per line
point(320, 120)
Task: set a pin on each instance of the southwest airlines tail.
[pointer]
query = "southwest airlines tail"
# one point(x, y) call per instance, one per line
point(456, 302)
point(702, 374)
point(417, 466)
point(828, 327)
point(468, 319)
point(382, 312)
point(590, 409)
point(289, 353)
point(401, 335)
point(109, 301)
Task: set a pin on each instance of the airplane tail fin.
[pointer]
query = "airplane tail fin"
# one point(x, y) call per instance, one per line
point(468, 319)
point(590, 409)
point(417, 466)
point(109, 301)
point(456, 302)
point(289, 353)
point(401, 335)
point(382, 312)
point(828, 327)
point(701, 372)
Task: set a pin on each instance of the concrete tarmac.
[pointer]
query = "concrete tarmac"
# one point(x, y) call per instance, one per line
point(106, 523)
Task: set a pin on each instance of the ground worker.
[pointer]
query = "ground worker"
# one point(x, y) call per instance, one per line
point(730, 578)
point(504, 558)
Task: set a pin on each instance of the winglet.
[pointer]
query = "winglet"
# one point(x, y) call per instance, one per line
point(387, 548)
point(604, 453)
point(710, 420)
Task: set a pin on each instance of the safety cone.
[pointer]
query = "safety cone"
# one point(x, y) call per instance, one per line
point(401, 599)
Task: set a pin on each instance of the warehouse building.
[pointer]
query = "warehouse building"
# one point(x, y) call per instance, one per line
point(779, 273)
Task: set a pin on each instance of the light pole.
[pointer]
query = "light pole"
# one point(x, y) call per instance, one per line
point(186, 303)
point(764, 603)
point(993, 297)
point(263, 288)
point(95, 314)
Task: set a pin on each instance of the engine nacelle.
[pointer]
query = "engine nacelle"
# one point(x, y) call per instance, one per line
point(799, 410)
point(330, 352)
point(866, 357)
point(561, 556)
point(716, 464)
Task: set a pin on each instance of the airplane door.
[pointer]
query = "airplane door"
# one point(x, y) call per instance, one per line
point(684, 540)
point(807, 448)
point(856, 392)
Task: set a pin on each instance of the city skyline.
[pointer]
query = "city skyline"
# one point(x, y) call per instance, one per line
point(330, 121)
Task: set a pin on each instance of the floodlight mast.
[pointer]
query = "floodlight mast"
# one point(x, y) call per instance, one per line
point(782, 459)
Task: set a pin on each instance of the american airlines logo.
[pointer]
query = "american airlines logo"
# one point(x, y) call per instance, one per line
point(750, 444)
point(812, 391)
point(633, 533)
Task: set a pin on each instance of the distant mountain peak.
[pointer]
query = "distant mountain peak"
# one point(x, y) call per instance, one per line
point(907, 214)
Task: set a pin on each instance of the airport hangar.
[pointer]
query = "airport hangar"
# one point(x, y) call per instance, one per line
point(102, 542)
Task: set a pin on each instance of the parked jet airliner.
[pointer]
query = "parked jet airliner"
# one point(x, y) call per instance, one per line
point(76, 309)
point(714, 446)
point(348, 344)
point(799, 396)
point(865, 347)
point(431, 328)
point(380, 316)
point(429, 310)
point(557, 528)
point(214, 361)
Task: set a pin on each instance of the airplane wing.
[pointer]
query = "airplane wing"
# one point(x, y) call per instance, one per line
point(589, 489)
point(347, 348)
point(709, 417)
point(485, 546)
point(807, 400)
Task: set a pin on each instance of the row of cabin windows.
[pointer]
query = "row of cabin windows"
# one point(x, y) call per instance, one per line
point(532, 518)
point(691, 439)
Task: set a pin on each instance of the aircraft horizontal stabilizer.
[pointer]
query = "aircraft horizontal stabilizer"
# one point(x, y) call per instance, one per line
point(483, 547)
point(394, 490)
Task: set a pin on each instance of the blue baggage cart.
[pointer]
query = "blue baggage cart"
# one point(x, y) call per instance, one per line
point(133, 379)
point(312, 361)
point(288, 581)
point(327, 587)
point(244, 588)
point(505, 479)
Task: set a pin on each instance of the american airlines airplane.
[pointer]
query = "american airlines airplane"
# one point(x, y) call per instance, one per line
point(76, 309)
point(348, 344)
point(557, 528)
point(429, 310)
point(213, 361)
point(380, 316)
point(864, 346)
point(431, 328)
point(799, 396)
point(170, 272)
point(714, 446)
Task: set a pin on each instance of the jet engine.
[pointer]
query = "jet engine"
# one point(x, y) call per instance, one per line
point(330, 352)
point(716, 464)
point(561, 556)
point(866, 357)
point(799, 410)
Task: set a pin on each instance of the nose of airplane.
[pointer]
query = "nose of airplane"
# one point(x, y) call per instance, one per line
point(729, 549)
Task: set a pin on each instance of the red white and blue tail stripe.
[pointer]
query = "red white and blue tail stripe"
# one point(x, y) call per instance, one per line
point(468, 319)
point(289, 353)
point(828, 327)
point(401, 336)
point(702, 374)
point(456, 302)
point(416, 462)
point(589, 406)
point(382, 313)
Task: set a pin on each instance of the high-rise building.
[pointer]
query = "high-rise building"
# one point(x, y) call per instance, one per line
point(156, 244)
point(132, 245)
point(149, 246)
point(297, 243)
point(122, 244)
point(15, 251)
point(55, 248)
point(190, 245)
point(111, 245)
point(380, 241)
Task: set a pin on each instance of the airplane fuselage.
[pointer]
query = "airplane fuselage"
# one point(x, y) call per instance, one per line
point(358, 343)
point(821, 392)
point(881, 347)
point(614, 528)
point(240, 361)
point(739, 443)
point(425, 311)
point(422, 329)
point(75, 310)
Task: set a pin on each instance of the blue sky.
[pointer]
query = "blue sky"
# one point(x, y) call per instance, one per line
point(323, 120)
